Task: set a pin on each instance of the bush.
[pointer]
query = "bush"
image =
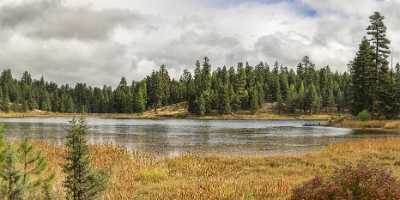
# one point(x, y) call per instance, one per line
point(364, 116)
point(360, 182)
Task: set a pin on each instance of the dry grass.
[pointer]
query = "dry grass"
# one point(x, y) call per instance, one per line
point(392, 125)
point(144, 176)
point(178, 111)
point(372, 124)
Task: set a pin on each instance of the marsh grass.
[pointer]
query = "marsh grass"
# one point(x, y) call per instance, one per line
point(371, 124)
point(145, 176)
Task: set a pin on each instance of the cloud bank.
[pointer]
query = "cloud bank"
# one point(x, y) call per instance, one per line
point(98, 41)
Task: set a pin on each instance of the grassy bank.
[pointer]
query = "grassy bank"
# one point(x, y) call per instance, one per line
point(143, 176)
point(178, 111)
point(390, 125)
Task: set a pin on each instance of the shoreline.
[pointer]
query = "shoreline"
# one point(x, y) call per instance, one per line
point(151, 115)
point(371, 125)
point(331, 119)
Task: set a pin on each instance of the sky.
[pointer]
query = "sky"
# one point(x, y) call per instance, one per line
point(99, 41)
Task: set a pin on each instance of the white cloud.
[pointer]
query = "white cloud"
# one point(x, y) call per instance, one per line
point(98, 41)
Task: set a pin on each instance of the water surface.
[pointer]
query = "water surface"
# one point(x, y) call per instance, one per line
point(176, 136)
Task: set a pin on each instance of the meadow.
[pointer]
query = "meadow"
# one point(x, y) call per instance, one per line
point(135, 175)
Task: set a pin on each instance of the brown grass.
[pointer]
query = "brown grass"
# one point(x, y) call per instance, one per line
point(372, 124)
point(144, 176)
point(392, 125)
point(178, 111)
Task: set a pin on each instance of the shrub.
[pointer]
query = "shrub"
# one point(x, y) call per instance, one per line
point(360, 182)
point(364, 116)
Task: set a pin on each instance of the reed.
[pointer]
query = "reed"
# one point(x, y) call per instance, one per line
point(146, 176)
point(371, 124)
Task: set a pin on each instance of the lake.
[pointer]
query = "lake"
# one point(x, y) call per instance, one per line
point(176, 136)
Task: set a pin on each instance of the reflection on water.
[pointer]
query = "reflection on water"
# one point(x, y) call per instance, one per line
point(170, 137)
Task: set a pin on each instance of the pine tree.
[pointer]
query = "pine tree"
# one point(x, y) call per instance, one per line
point(331, 101)
point(5, 103)
point(33, 104)
point(236, 104)
point(69, 104)
point(22, 171)
point(311, 100)
point(155, 90)
point(291, 99)
point(280, 106)
point(254, 102)
point(11, 187)
point(226, 100)
point(201, 105)
point(383, 101)
point(139, 99)
point(261, 94)
point(240, 86)
point(284, 84)
point(363, 77)
point(25, 106)
point(397, 89)
point(301, 98)
point(33, 167)
point(81, 182)
point(26, 78)
point(45, 103)
point(340, 101)
point(316, 104)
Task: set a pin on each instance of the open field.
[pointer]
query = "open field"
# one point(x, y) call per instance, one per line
point(144, 176)
point(177, 111)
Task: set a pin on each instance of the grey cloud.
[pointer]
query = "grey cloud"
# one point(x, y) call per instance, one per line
point(68, 63)
point(84, 42)
point(189, 46)
point(50, 19)
point(281, 47)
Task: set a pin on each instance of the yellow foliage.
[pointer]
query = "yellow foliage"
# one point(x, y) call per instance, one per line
point(145, 176)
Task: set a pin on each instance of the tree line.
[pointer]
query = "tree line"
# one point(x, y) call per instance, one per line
point(224, 90)
point(369, 85)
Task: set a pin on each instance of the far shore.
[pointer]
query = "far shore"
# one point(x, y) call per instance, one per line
point(163, 115)
point(179, 111)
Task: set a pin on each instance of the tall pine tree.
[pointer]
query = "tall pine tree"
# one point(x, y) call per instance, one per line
point(383, 101)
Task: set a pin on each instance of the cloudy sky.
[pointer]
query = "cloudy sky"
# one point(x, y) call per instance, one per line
point(98, 41)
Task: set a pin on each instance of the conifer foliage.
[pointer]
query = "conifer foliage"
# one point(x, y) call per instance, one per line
point(374, 85)
point(82, 181)
point(23, 172)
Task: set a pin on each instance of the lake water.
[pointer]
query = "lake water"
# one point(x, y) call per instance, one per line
point(175, 136)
